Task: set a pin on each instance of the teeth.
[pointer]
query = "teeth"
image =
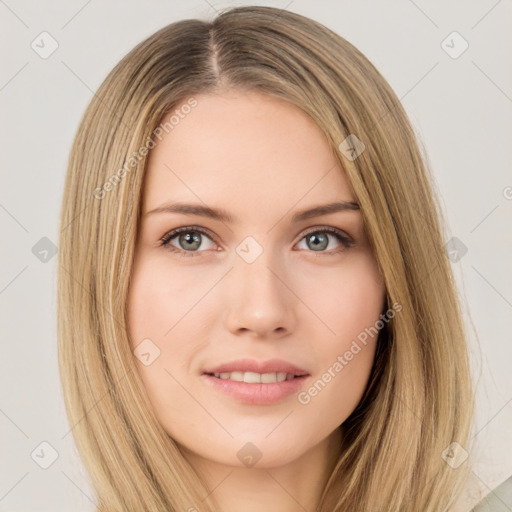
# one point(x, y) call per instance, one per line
point(253, 378)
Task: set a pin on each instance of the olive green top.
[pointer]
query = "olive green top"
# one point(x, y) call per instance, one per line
point(498, 500)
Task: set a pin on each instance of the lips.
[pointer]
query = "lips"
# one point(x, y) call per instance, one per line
point(251, 365)
point(256, 382)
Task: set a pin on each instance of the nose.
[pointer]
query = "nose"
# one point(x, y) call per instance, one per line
point(260, 300)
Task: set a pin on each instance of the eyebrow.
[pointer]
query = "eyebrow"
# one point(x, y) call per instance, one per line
point(222, 215)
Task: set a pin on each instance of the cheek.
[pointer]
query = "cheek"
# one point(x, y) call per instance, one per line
point(349, 300)
point(161, 309)
point(350, 308)
point(159, 298)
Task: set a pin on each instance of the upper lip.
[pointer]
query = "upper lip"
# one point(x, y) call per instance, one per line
point(251, 365)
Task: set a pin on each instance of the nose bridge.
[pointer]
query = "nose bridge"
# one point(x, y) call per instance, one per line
point(260, 301)
point(255, 269)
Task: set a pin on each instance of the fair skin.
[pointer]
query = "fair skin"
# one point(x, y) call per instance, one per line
point(261, 160)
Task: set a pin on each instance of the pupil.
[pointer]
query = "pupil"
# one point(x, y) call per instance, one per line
point(320, 241)
point(195, 240)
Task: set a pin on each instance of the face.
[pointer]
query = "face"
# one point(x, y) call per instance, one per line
point(251, 277)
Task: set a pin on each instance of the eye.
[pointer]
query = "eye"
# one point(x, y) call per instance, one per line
point(318, 240)
point(188, 238)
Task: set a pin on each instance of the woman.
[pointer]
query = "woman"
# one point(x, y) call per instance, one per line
point(209, 359)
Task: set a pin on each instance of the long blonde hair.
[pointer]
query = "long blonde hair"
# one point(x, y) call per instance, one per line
point(419, 398)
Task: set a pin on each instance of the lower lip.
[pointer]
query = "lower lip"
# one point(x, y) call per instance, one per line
point(256, 393)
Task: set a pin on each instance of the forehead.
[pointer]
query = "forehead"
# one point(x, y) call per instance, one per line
point(251, 150)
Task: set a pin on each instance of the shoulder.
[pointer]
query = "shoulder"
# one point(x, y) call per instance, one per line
point(498, 500)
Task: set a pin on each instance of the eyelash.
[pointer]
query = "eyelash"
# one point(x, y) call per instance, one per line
point(346, 242)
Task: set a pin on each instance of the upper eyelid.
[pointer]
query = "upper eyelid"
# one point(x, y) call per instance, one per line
point(185, 229)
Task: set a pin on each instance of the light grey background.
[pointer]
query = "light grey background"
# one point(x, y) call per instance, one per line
point(461, 108)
